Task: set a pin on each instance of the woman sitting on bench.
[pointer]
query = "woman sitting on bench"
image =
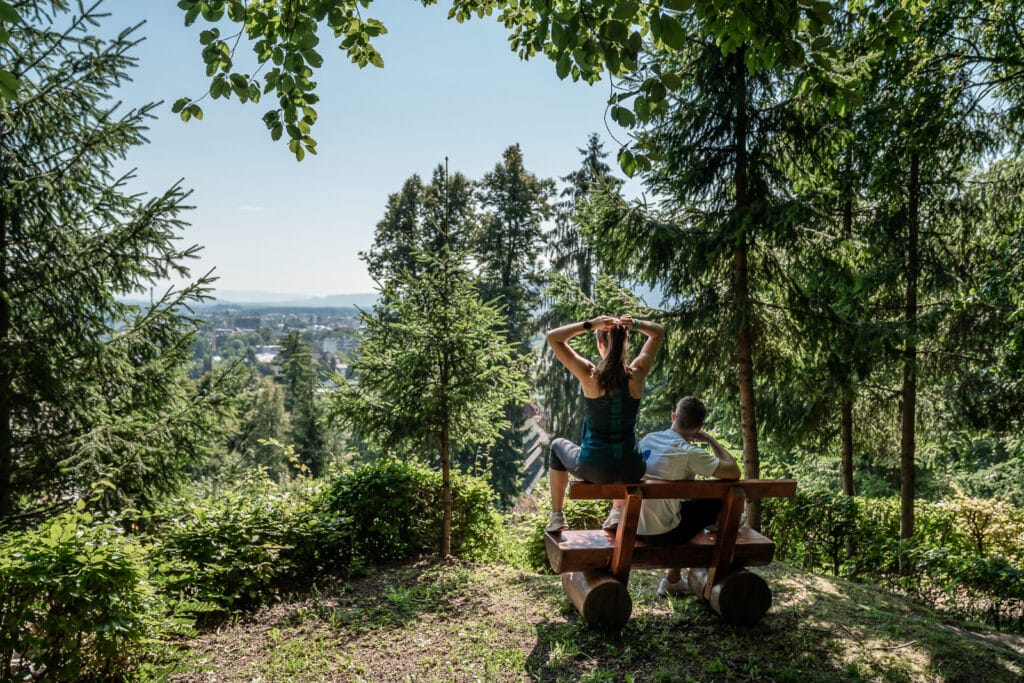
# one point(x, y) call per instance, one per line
point(608, 451)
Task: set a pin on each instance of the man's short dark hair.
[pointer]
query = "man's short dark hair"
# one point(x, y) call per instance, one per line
point(690, 413)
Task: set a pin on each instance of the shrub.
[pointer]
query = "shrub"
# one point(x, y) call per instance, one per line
point(396, 508)
point(813, 529)
point(238, 547)
point(75, 601)
point(965, 550)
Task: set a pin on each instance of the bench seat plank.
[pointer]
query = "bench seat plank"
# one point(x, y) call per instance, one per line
point(586, 549)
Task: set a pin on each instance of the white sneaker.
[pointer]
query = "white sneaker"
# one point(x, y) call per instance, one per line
point(611, 523)
point(556, 522)
point(666, 588)
point(713, 528)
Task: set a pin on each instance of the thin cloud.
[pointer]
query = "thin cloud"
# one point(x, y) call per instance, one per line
point(250, 207)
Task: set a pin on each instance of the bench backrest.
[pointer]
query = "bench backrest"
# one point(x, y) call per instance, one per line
point(716, 488)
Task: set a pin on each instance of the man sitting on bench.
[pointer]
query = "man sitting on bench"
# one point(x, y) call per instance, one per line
point(671, 455)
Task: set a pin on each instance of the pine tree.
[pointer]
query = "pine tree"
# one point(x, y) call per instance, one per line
point(515, 203)
point(571, 257)
point(434, 370)
point(91, 388)
point(299, 380)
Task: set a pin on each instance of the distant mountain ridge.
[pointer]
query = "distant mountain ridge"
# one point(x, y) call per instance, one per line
point(280, 299)
point(255, 299)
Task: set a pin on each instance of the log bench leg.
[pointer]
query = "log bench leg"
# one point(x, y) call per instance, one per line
point(741, 597)
point(603, 601)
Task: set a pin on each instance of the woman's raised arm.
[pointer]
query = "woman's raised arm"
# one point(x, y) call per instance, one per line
point(559, 337)
point(641, 365)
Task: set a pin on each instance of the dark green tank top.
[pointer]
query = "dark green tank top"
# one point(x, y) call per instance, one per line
point(609, 431)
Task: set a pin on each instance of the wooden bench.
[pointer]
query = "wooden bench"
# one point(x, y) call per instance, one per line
point(595, 564)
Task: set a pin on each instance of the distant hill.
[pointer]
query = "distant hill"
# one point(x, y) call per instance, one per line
point(252, 299)
point(282, 300)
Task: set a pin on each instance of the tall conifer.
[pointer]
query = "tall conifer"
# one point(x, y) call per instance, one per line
point(91, 388)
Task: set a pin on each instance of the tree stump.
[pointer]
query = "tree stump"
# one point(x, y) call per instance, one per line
point(741, 598)
point(602, 601)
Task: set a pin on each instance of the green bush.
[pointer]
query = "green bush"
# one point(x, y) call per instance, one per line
point(237, 548)
point(75, 601)
point(964, 550)
point(397, 509)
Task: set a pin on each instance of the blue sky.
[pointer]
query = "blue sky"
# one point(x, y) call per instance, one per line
point(269, 223)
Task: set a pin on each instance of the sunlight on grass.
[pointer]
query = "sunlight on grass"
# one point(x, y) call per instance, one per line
point(463, 623)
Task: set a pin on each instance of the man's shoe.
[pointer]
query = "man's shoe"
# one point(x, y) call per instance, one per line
point(713, 528)
point(611, 523)
point(666, 588)
point(556, 522)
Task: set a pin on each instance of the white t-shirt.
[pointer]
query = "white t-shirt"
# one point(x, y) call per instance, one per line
point(670, 457)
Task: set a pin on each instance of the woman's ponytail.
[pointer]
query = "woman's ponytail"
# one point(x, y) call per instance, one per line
point(612, 372)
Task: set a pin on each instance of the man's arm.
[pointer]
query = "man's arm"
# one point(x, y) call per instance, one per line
point(727, 467)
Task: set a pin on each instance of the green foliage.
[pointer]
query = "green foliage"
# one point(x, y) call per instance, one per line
point(396, 508)
point(263, 428)
point(507, 247)
point(76, 601)
point(435, 373)
point(236, 548)
point(8, 81)
point(91, 387)
point(583, 40)
point(508, 244)
point(300, 381)
point(422, 216)
point(966, 552)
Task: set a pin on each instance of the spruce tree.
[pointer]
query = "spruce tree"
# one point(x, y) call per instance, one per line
point(571, 256)
point(265, 428)
point(433, 370)
point(299, 379)
point(91, 388)
point(720, 148)
point(515, 204)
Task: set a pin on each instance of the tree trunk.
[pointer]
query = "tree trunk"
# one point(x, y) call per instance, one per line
point(741, 288)
point(909, 394)
point(846, 402)
point(846, 438)
point(6, 377)
point(586, 273)
point(446, 487)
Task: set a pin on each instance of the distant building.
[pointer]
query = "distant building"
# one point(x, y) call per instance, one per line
point(329, 345)
point(266, 354)
point(246, 323)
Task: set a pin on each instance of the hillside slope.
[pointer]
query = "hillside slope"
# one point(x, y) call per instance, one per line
point(462, 622)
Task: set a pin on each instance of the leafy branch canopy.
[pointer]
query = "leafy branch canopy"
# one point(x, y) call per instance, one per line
point(586, 39)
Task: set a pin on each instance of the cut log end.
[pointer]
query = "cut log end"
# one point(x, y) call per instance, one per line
point(741, 598)
point(602, 601)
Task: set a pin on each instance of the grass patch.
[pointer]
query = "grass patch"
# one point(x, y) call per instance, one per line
point(464, 622)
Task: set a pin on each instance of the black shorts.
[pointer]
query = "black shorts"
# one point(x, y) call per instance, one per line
point(565, 456)
point(697, 513)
